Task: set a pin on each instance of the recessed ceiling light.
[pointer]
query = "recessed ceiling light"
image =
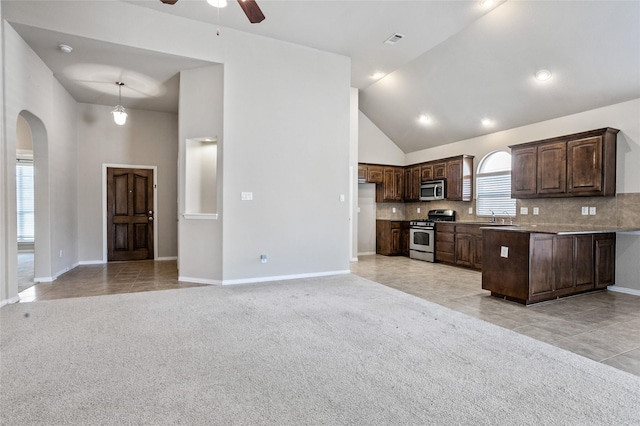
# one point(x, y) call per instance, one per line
point(543, 75)
point(486, 3)
point(486, 122)
point(424, 119)
point(377, 75)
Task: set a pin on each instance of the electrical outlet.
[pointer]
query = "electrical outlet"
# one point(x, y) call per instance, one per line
point(536, 211)
point(524, 210)
point(470, 210)
point(585, 211)
point(342, 198)
point(592, 211)
point(393, 209)
point(61, 253)
point(418, 209)
point(263, 258)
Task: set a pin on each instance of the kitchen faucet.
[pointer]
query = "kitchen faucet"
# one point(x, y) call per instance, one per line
point(493, 217)
point(510, 218)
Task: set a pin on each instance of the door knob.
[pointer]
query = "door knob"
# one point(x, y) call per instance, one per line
point(151, 218)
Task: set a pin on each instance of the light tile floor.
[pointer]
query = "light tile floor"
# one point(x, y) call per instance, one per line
point(604, 326)
point(109, 278)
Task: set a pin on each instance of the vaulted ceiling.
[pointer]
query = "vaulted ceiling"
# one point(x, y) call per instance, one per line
point(457, 64)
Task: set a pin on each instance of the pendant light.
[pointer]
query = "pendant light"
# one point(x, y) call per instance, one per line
point(119, 113)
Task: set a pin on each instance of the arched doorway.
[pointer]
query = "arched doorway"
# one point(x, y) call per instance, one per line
point(30, 125)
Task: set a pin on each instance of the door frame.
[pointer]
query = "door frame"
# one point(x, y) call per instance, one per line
point(105, 166)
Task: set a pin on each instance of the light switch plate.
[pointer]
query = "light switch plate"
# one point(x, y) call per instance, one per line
point(592, 211)
point(342, 198)
point(524, 210)
point(536, 211)
point(585, 211)
point(504, 251)
point(393, 209)
point(247, 196)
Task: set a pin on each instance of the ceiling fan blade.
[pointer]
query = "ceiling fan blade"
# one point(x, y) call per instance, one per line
point(252, 10)
point(169, 1)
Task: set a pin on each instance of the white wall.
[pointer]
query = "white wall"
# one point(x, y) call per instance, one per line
point(31, 89)
point(147, 139)
point(354, 113)
point(6, 279)
point(287, 141)
point(375, 147)
point(201, 115)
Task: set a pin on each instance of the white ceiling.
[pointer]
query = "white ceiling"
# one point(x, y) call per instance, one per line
point(458, 62)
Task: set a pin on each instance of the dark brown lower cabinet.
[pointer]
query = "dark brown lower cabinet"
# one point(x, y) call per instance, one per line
point(392, 237)
point(532, 267)
point(459, 244)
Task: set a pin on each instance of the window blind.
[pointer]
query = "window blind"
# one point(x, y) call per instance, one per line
point(25, 204)
point(494, 194)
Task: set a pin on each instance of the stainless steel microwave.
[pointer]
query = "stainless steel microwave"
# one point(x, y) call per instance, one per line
point(432, 190)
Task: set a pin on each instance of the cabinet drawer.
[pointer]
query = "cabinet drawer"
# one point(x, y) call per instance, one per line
point(444, 227)
point(445, 237)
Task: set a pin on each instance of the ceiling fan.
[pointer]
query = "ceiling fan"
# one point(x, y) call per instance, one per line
point(250, 8)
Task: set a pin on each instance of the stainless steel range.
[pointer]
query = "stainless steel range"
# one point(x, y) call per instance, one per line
point(422, 241)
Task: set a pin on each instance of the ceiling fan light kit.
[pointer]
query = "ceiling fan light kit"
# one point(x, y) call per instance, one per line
point(119, 113)
point(249, 7)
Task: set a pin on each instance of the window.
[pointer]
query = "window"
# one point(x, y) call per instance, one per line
point(494, 186)
point(24, 196)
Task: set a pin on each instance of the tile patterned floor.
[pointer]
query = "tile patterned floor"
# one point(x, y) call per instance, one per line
point(109, 278)
point(603, 326)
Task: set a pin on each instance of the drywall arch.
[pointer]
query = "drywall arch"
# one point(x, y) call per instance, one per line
point(42, 200)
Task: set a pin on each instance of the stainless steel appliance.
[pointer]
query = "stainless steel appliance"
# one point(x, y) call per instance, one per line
point(422, 235)
point(432, 190)
point(422, 242)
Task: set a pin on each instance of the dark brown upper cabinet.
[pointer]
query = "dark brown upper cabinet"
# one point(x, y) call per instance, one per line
point(581, 164)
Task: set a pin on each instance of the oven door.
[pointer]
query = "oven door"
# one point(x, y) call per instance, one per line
point(421, 244)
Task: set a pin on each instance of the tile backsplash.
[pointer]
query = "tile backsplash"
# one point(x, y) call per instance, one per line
point(623, 210)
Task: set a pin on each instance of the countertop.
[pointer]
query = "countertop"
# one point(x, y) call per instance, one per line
point(560, 229)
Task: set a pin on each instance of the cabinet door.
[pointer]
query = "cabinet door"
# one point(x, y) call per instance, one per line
point(563, 260)
point(463, 250)
point(476, 251)
point(426, 172)
point(583, 257)
point(404, 240)
point(412, 183)
point(440, 171)
point(523, 172)
point(398, 174)
point(541, 264)
point(388, 184)
point(362, 173)
point(396, 236)
point(584, 166)
point(552, 168)
point(605, 260)
point(374, 174)
point(453, 186)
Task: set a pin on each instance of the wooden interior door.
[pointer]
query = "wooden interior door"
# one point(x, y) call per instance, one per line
point(130, 214)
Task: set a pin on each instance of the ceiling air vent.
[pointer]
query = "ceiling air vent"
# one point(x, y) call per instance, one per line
point(394, 38)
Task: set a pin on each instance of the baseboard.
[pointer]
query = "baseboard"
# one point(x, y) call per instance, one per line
point(91, 262)
point(354, 259)
point(44, 279)
point(626, 290)
point(167, 258)
point(283, 277)
point(367, 253)
point(14, 299)
point(199, 280)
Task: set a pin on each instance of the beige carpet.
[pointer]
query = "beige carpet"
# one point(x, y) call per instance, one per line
point(328, 351)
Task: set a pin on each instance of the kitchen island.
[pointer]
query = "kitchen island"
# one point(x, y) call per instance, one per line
point(529, 264)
